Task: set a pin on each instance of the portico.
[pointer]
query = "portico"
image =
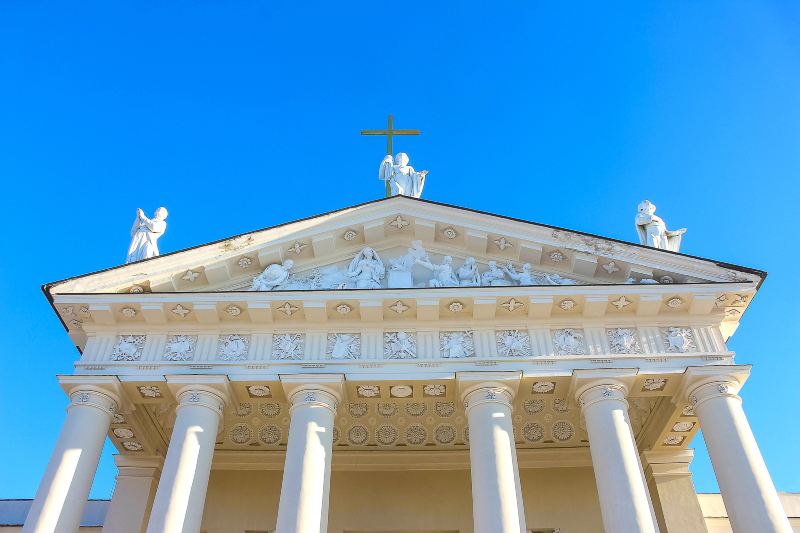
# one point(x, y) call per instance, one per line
point(448, 408)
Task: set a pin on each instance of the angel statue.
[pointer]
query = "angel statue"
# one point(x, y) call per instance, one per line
point(272, 276)
point(401, 178)
point(367, 269)
point(652, 230)
point(145, 233)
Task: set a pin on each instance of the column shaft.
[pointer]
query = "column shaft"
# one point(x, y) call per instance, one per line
point(181, 494)
point(303, 506)
point(744, 482)
point(624, 501)
point(64, 489)
point(497, 505)
point(133, 494)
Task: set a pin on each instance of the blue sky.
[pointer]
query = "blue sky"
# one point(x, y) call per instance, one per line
point(240, 115)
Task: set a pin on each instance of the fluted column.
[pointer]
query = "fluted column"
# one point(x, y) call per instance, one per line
point(181, 493)
point(64, 489)
point(624, 501)
point(744, 482)
point(497, 505)
point(303, 506)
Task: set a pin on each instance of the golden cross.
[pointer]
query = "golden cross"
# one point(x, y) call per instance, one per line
point(389, 132)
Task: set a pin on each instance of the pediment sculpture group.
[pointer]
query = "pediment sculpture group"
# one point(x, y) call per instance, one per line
point(368, 271)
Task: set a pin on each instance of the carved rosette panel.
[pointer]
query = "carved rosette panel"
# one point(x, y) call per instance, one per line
point(233, 347)
point(400, 345)
point(569, 341)
point(456, 344)
point(513, 343)
point(128, 348)
point(624, 341)
point(678, 339)
point(344, 346)
point(288, 346)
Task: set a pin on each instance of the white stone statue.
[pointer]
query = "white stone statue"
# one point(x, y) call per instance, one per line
point(400, 268)
point(652, 230)
point(402, 177)
point(494, 277)
point(272, 276)
point(467, 274)
point(523, 277)
point(443, 275)
point(145, 233)
point(367, 269)
point(555, 279)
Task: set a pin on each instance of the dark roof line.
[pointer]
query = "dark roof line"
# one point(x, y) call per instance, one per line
point(47, 286)
point(740, 268)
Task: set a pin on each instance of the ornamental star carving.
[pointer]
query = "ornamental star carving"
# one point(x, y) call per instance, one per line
point(399, 222)
point(288, 309)
point(512, 305)
point(190, 276)
point(399, 307)
point(502, 243)
point(297, 247)
point(621, 303)
point(181, 311)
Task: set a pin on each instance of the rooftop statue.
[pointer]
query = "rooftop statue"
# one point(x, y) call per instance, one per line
point(401, 177)
point(652, 230)
point(145, 233)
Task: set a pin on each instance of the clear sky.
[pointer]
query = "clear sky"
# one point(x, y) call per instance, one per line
point(240, 115)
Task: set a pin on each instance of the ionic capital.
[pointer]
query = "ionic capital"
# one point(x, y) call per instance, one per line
point(477, 388)
point(714, 389)
point(313, 397)
point(87, 396)
point(603, 391)
point(200, 396)
point(319, 390)
point(706, 382)
point(488, 393)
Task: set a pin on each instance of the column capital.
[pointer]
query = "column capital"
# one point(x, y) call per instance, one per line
point(326, 390)
point(87, 396)
point(201, 396)
point(600, 391)
point(109, 386)
point(488, 394)
point(219, 386)
point(701, 382)
point(487, 386)
point(310, 397)
point(591, 385)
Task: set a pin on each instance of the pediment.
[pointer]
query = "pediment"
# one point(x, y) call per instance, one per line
point(329, 242)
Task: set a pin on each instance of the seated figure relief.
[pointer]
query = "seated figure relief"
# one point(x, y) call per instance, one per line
point(367, 271)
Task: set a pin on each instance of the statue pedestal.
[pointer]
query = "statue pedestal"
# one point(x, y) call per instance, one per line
point(400, 280)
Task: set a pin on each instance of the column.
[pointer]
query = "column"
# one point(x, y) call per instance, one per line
point(303, 506)
point(672, 491)
point(744, 482)
point(497, 505)
point(181, 494)
point(624, 500)
point(133, 494)
point(59, 502)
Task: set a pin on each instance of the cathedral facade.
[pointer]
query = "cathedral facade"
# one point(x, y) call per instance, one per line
point(410, 367)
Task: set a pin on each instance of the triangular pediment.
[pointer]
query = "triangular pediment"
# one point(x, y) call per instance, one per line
point(322, 248)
